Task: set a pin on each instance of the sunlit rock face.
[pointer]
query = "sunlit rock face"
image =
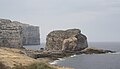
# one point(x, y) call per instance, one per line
point(66, 40)
point(16, 34)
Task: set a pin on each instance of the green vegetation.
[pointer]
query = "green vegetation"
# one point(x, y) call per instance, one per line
point(32, 66)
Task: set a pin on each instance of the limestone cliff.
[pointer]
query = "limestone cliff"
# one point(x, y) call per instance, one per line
point(68, 40)
point(16, 34)
point(10, 34)
point(31, 35)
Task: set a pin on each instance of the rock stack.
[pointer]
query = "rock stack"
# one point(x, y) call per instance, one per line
point(68, 40)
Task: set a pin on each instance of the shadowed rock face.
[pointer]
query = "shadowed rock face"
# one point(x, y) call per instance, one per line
point(30, 33)
point(68, 40)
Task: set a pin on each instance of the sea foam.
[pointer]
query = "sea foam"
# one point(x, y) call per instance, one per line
point(73, 55)
point(56, 61)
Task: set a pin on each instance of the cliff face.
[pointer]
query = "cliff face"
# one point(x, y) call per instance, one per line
point(16, 34)
point(10, 34)
point(31, 35)
point(68, 40)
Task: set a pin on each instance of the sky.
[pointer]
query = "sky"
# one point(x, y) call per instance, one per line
point(99, 20)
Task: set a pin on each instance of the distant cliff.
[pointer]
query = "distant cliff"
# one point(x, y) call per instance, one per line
point(66, 40)
point(16, 34)
point(31, 35)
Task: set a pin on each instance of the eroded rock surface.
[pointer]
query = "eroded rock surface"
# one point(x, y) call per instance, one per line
point(68, 40)
point(10, 34)
point(16, 34)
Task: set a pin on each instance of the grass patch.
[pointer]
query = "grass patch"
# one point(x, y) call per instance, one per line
point(37, 65)
point(34, 66)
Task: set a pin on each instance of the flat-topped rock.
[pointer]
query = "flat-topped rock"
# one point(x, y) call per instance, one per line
point(66, 40)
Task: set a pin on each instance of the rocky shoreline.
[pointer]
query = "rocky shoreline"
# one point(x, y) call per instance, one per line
point(55, 55)
point(12, 56)
point(59, 44)
point(64, 43)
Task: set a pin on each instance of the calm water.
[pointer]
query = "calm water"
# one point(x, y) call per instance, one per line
point(94, 61)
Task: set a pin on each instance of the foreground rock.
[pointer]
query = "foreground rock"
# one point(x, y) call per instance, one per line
point(68, 40)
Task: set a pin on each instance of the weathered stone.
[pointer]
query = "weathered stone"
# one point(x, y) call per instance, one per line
point(10, 34)
point(31, 35)
point(16, 34)
point(5, 21)
point(68, 40)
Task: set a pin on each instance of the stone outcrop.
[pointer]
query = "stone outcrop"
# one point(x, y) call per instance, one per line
point(31, 35)
point(68, 40)
point(10, 34)
point(16, 34)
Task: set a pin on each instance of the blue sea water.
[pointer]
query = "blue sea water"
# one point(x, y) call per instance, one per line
point(94, 61)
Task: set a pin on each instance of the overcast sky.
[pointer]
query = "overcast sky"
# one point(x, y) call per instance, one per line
point(99, 20)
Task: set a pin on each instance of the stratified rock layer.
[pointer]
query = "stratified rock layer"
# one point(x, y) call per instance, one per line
point(16, 34)
point(68, 40)
point(31, 35)
point(10, 34)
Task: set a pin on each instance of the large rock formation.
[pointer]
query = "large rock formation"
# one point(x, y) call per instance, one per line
point(68, 40)
point(16, 34)
point(10, 34)
point(31, 35)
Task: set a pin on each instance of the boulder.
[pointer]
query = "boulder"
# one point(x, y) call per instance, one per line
point(66, 40)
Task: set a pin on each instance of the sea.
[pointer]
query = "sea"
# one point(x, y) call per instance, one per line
point(90, 61)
